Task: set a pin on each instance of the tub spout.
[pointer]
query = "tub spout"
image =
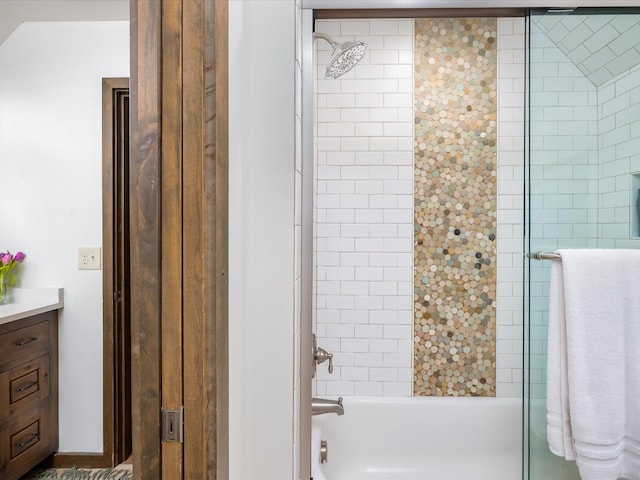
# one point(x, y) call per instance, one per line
point(320, 406)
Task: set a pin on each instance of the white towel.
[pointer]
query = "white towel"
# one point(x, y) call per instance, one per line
point(593, 376)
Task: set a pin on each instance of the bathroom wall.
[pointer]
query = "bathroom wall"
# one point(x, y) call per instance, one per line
point(365, 205)
point(50, 201)
point(584, 148)
point(619, 166)
point(455, 164)
point(262, 278)
point(564, 169)
point(364, 212)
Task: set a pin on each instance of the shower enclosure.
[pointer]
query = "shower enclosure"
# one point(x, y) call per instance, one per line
point(582, 172)
point(568, 176)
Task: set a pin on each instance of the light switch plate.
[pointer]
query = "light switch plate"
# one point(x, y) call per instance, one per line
point(89, 258)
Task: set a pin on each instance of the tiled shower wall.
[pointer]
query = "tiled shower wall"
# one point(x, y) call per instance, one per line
point(455, 163)
point(564, 163)
point(364, 214)
point(584, 150)
point(619, 168)
point(364, 211)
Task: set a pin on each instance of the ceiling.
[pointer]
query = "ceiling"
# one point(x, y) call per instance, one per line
point(15, 12)
point(601, 46)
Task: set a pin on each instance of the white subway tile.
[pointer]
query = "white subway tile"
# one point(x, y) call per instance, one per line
point(368, 331)
point(396, 360)
point(354, 345)
point(369, 129)
point(383, 346)
point(405, 56)
point(383, 201)
point(383, 114)
point(354, 201)
point(397, 331)
point(384, 143)
point(369, 100)
point(340, 100)
point(354, 143)
point(383, 374)
point(398, 302)
point(383, 27)
point(398, 42)
point(398, 100)
point(354, 288)
point(403, 389)
point(368, 302)
point(369, 274)
point(367, 215)
point(398, 71)
point(354, 316)
point(369, 244)
point(354, 114)
point(340, 330)
point(383, 317)
point(339, 388)
point(354, 27)
point(354, 230)
point(385, 85)
point(369, 359)
point(369, 158)
point(340, 158)
point(368, 71)
point(354, 259)
point(369, 388)
point(383, 288)
point(354, 373)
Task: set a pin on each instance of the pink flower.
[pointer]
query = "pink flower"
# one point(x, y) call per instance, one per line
point(19, 257)
point(6, 259)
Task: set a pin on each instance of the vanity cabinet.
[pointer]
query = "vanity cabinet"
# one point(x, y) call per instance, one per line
point(28, 393)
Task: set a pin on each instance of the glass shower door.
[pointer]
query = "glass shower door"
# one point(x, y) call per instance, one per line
point(583, 171)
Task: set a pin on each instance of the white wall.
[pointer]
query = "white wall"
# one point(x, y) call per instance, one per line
point(51, 200)
point(261, 238)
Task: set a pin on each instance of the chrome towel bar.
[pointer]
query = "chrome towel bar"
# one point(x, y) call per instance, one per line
point(544, 256)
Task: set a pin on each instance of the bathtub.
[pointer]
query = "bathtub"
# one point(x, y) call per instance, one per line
point(421, 438)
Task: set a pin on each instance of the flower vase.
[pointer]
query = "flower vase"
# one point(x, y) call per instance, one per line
point(4, 289)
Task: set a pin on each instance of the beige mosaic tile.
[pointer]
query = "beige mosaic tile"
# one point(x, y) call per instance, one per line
point(455, 207)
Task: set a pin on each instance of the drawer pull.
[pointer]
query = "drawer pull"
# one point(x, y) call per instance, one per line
point(34, 436)
point(27, 386)
point(26, 341)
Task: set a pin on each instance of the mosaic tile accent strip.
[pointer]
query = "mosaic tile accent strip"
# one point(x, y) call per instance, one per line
point(455, 207)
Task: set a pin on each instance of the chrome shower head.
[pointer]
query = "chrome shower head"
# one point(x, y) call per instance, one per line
point(345, 56)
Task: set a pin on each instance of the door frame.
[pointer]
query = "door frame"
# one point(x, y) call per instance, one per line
point(179, 205)
point(116, 338)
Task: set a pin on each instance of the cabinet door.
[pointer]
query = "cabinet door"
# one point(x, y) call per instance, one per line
point(24, 443)
point(23, 344)
point(23, 387)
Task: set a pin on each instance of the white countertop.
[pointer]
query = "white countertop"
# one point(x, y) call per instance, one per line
point(26, 302)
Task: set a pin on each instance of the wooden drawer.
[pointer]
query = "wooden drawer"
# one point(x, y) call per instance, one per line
point(23, 387)
point(24, 343)
point(24, 443)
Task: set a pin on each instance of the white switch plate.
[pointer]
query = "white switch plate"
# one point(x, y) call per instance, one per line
point(89, 258)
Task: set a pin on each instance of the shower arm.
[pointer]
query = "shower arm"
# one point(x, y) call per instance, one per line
point(326, 37)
